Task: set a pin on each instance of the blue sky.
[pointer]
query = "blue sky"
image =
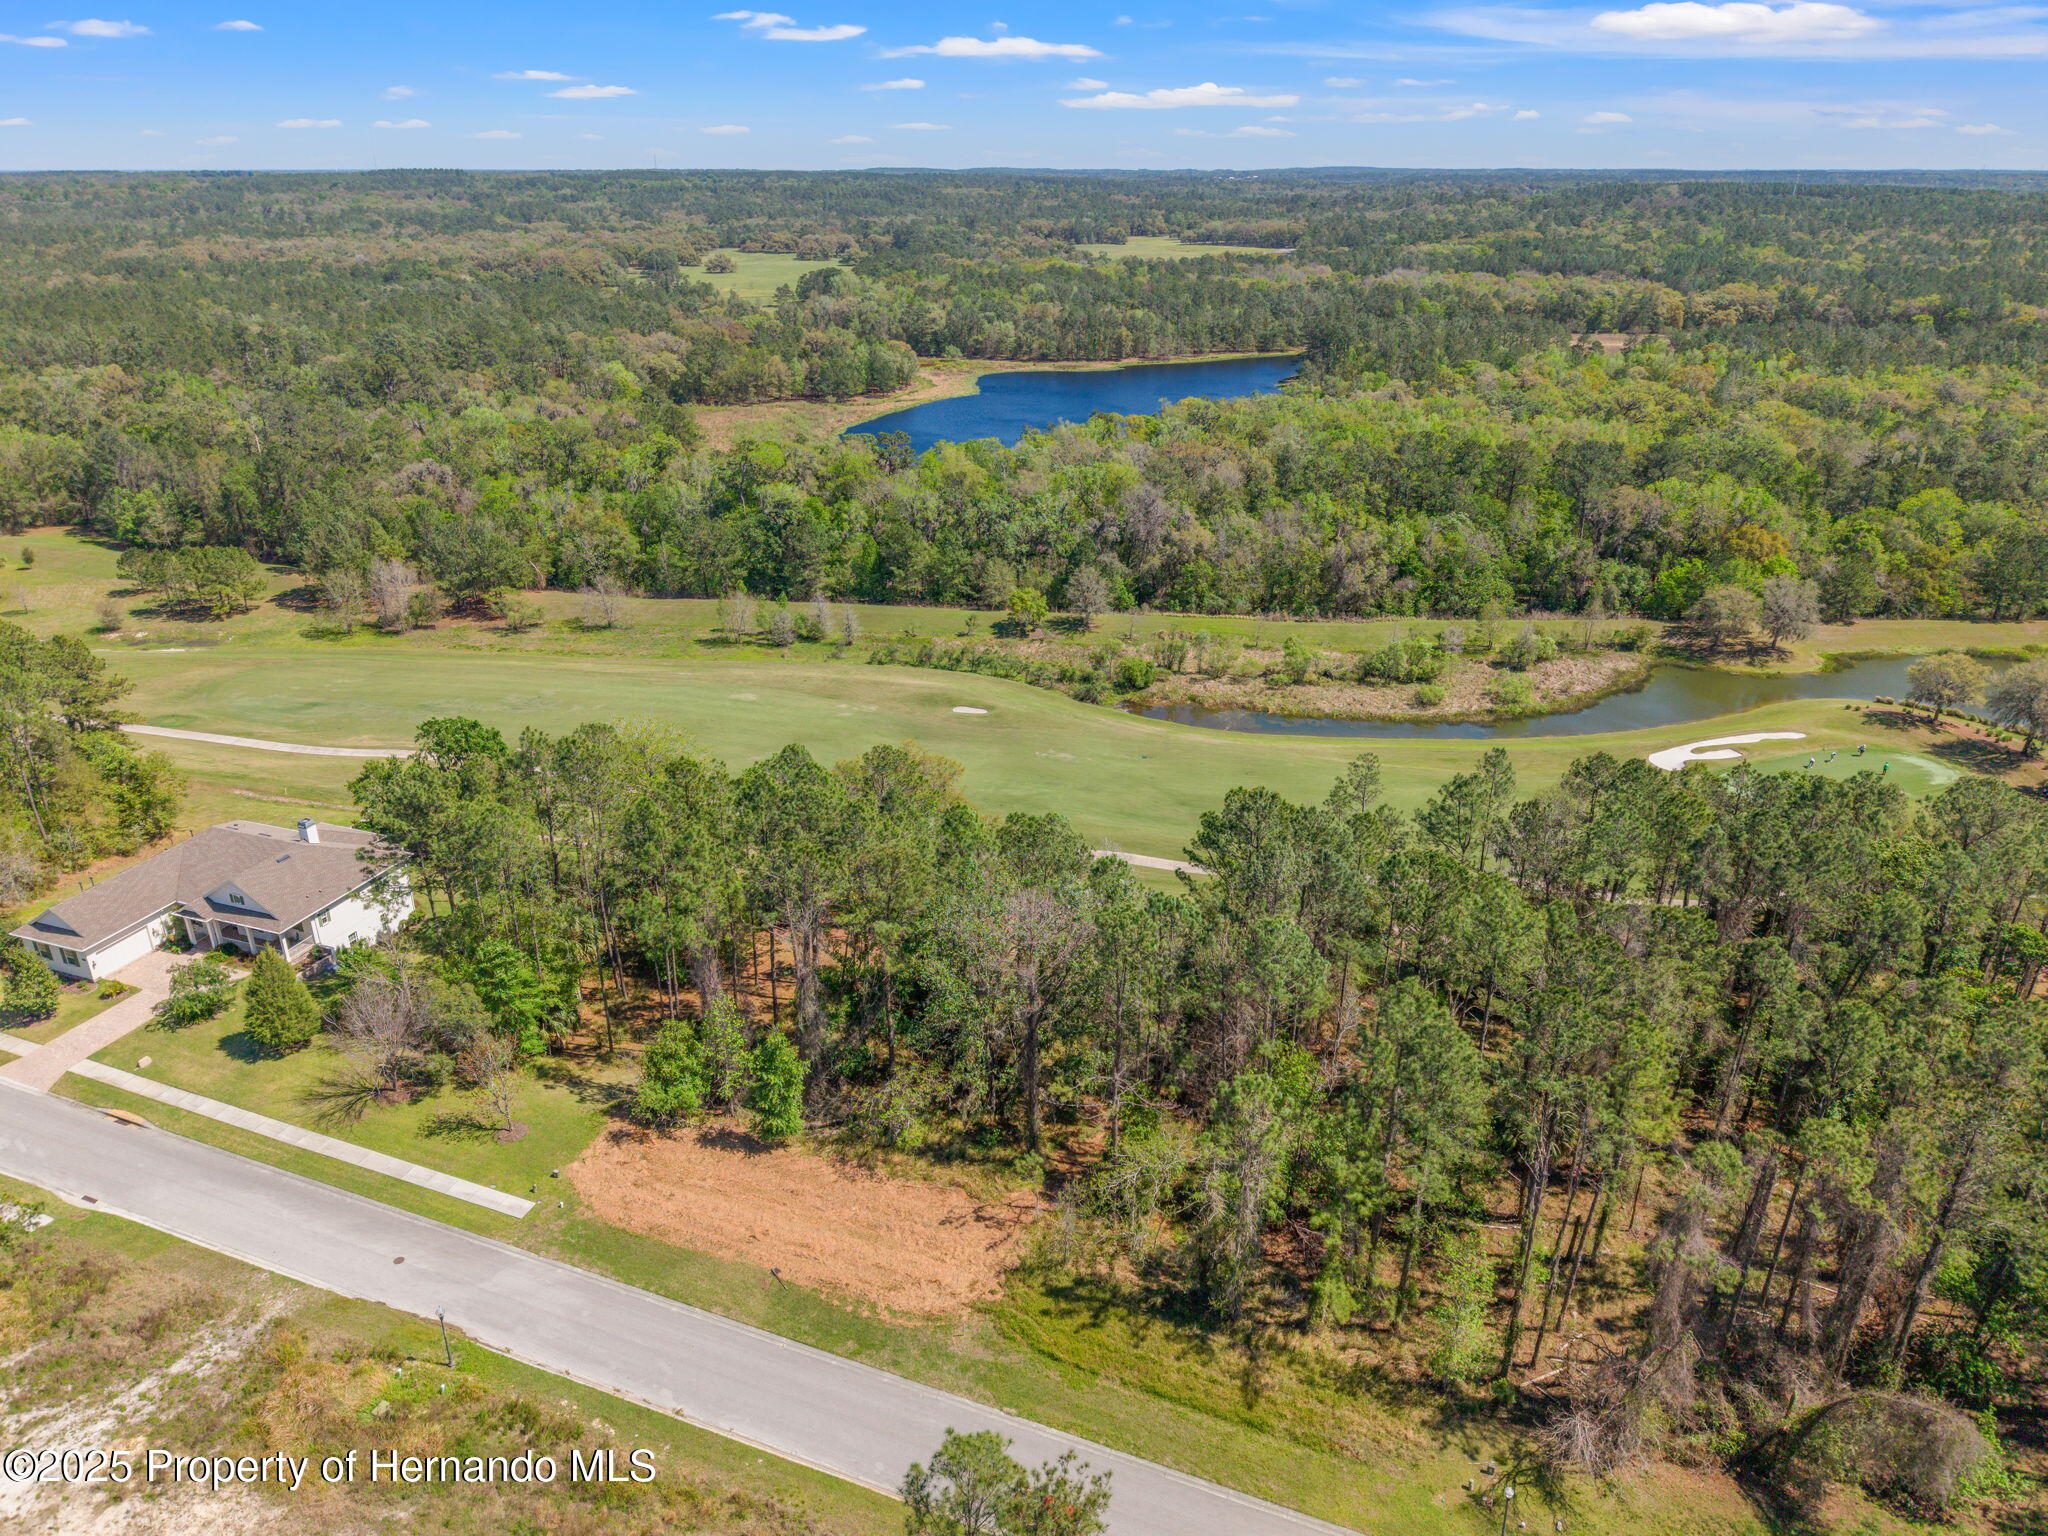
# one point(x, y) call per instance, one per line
point(1684, 84)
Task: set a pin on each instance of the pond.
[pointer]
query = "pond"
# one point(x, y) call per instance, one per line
point(1012, 404)
point(1673, 696)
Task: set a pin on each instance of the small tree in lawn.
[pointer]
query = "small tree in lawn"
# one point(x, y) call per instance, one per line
point(974, 1487)
point(281, 1015)
point(2018, 700)
point(1791, 608)
point(722, 1048)
point(782, 628)
point(490, 1065)
point(775, 1101)
point(1027, 609)
point(719, 263)
point(671, 1077)
point(1087, 595)
point(200, 990)
point(736, 613)
point(32, 989)
point(1945, 681)
point(1724, 615)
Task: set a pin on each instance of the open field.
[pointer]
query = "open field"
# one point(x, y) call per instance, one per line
point(757, 274)
point(1165, 247)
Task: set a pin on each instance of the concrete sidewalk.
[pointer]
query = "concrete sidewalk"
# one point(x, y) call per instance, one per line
point(298, 1136)
point(41, 1066)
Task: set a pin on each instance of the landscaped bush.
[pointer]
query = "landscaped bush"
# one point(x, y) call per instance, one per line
point(1404, 661)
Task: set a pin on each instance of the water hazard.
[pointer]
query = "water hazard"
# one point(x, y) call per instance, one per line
point(1673, 696)
point(1012, 404)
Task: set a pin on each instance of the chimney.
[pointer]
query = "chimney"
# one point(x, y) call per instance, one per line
point(309, 830)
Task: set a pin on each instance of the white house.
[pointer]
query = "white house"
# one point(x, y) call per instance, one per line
point(242, 885)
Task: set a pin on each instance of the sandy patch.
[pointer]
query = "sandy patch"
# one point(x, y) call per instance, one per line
point(1715, 748)
point(968, 709)
point(900, 1245)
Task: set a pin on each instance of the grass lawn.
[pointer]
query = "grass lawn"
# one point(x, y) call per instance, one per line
point(561, 1104)
point(363, 1329)
point(73, 1008)
point(1165, 247)
point(756, 274)
point(1123, 780)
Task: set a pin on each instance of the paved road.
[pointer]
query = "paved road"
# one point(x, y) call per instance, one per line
point(842, 1417)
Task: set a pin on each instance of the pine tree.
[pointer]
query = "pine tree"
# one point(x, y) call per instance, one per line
point(722, 1043)
point(775, 1102)
point(281, 1015)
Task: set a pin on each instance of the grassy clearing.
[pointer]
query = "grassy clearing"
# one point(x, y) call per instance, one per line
point(1166, 248)
point(74, 1006)
point(128, 1283)
point(757, 274)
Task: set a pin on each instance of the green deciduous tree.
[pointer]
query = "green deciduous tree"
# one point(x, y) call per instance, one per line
point(973, 1487)
point(775, 1098)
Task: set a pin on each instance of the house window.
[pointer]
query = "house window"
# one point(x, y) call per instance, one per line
point(70, 956)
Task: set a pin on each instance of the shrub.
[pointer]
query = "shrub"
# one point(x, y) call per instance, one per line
point(1404, 661)
point(671, 1077)
point(1511, 695)
point(32, 988)
point(1429, 695)
point(1134, 674)
point(200, 990)
point(775, 1102)
point(1526, 650)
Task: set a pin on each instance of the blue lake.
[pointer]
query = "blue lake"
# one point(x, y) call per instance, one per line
point(1011, 404)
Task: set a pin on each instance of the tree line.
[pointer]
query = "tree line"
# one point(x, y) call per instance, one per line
point(1779, 1036)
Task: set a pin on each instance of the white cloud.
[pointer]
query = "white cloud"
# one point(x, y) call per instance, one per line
point(410, 122)
point(996, 48)
point(1742, 21)
point(1903, 118)
point(593, 92)
point(236, 26)
point(1982, 130)
point(1424, 84)
point(495, 133)
point(1525, 116)
point(33, 42)
point(595, 137)
point(924, 127)
point(1407, 114)
point(853, 138)
point(397, 92)
point(1086, 84)
point(219, 138)
point(93, 27)
point(778, 28)
point(1601, 118)
point(310, 122)
point(149, 133)
point(723, 129)
point(531, 74)
point(905, 84)
point(1343, 83)
point(1207, 94)
point(1247, 131)
point(16, 122)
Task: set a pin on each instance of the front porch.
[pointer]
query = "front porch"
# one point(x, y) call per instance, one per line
point(295, 944)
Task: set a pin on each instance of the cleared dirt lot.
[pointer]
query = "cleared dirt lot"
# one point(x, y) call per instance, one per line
point(897, 1245)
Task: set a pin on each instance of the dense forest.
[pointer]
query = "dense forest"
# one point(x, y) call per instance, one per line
point(1556, 393)
point(1399, 1082)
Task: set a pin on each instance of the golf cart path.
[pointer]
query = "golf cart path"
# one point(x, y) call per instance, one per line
point(256, 744)
point(837, 1415)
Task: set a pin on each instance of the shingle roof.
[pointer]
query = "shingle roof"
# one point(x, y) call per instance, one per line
point(286, 879)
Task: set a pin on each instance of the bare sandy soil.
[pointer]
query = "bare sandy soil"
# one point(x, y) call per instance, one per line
point(897, 1245)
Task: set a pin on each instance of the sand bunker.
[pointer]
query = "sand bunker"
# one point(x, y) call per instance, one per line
point(1696, 751)
point(899, 1245)
point(968, 709)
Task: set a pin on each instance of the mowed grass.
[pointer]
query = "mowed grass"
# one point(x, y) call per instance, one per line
point(1124, 781)
point(561, 1103)
point(757, 274)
